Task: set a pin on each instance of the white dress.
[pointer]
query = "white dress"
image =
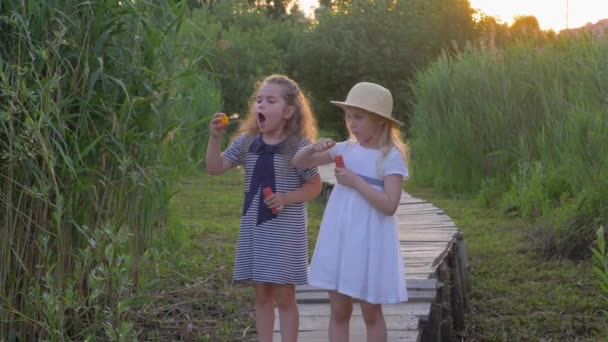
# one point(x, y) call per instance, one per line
point(357, 251)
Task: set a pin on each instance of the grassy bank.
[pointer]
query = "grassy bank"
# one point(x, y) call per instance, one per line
point(198, 256)
point(518, 295)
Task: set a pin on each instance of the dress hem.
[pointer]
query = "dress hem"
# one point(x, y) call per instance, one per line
point(356, 295)
point(252, 282)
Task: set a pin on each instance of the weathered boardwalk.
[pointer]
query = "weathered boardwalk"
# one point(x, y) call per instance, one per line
point(427, 235)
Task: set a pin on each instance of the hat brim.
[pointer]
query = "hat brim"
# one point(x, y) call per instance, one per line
point(346, 105)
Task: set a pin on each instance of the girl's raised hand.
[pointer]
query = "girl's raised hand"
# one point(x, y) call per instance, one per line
point(323, 145)
point(217, 126)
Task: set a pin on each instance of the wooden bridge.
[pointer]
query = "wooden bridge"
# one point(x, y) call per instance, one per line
point(436, 271)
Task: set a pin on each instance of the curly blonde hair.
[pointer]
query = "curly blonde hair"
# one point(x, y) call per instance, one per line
point(302, 123)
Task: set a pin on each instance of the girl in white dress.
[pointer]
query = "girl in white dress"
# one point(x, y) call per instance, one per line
point(357, 254)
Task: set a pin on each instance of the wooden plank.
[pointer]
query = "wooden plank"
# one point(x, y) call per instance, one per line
point(409, 263)
point(422, 238)
point(426, 245)
point(411, 286)
point(427, 209)
point(323, 296)
point(404, 216)
point(421, 254)
point(421, 310)
point(428, 230)
point(426, 226)
point(321, 322)
point(417, 235)
point(416, 218)
point(425, 223)
point(408, 246)
point(433, 259)
point(355, 336)
point(429, 271)
point(418, 275)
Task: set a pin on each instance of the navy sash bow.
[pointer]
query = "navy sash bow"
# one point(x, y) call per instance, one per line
point(261, 177)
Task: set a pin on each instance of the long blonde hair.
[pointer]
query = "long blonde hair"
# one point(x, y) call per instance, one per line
point(302, 123)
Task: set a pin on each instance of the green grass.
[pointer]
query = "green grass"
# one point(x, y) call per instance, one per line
point(198, 258)
point(516, 294)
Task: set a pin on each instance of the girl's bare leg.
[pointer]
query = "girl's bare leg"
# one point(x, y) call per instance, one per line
point(339, 321)
point(289, 317)
point(374, 321)
point(264, 311)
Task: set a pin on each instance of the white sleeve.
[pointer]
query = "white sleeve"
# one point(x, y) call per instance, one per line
point(395, 165)
point(338, 149)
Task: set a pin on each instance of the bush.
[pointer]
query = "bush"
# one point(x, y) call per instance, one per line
point(375, 41)
point(242, 44)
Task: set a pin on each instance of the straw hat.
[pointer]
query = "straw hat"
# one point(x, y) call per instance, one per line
point(372, 98)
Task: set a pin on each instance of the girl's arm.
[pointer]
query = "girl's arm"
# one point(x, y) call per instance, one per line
point(308, 191)
point(386, 201)
point(216, 164)
point(314, 155)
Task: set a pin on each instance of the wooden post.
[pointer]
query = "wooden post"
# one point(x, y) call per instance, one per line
point(432, 332)
point(326, 190)
point(464, 268)
point(456, 292)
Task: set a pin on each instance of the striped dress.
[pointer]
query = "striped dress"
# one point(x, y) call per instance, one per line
point(276, 250)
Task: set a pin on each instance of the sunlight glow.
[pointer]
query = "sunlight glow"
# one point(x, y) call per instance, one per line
point(308, 7)
point(551, 14)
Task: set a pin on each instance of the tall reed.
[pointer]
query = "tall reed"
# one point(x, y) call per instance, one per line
point(524, 127)
point(84, 92)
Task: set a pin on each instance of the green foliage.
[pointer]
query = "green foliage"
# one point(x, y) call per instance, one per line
point(525, 126)
point(84, 93)
point(242, 44)
point(194, 100)
point(376, 41)
point(600, 264)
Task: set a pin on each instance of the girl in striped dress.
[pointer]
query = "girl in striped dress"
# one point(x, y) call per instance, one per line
point(272, 247)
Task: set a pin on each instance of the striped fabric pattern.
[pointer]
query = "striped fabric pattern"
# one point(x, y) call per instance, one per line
point(276, 251)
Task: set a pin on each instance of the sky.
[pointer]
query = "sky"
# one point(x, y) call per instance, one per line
point(551, 14)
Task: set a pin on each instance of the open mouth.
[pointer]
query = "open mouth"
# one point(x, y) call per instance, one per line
point(261, 117)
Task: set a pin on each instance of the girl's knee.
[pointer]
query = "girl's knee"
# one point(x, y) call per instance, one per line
point(286, 302)
point(285, 297)
point(372, 313)
point(341, 307)
point(264, 295)
point(341, 311)
point(341, 314)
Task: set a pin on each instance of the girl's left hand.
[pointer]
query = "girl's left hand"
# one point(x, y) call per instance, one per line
point(346, 177)
point(276, 201)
